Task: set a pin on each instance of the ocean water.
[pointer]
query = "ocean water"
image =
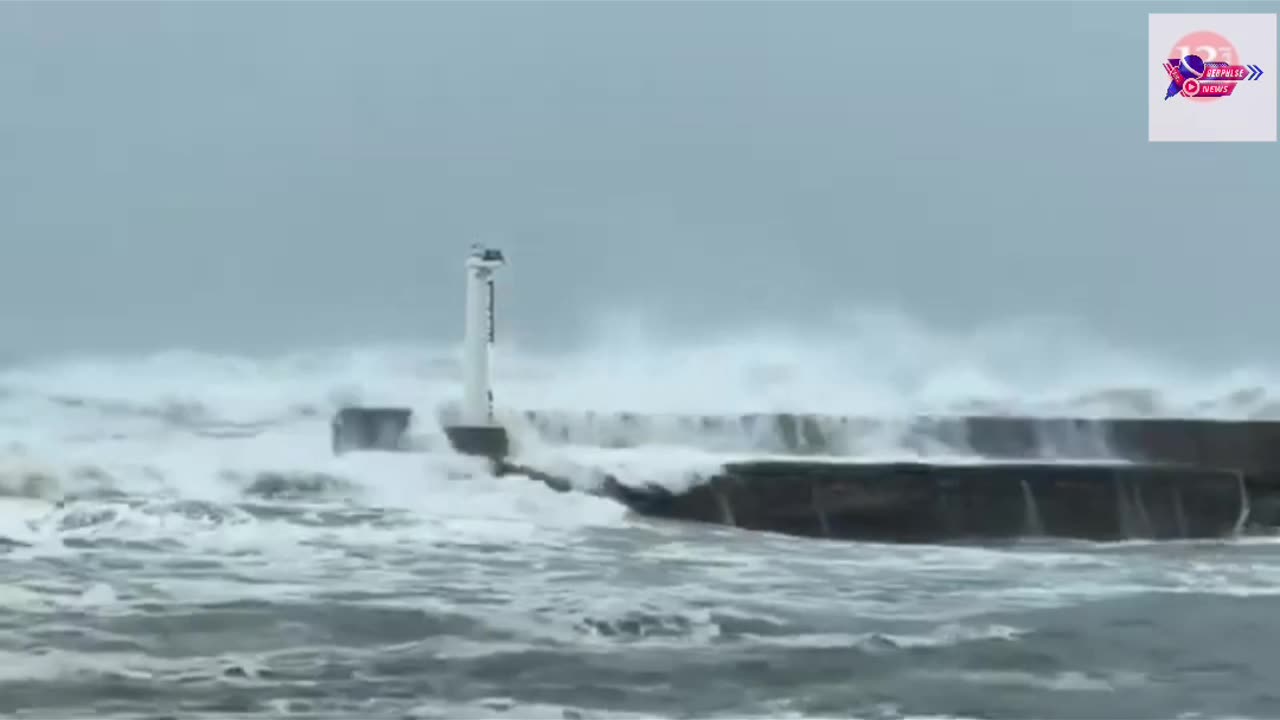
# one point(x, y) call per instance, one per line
point(176, 540)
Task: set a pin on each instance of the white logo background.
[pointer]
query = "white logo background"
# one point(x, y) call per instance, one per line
point(1248, 115)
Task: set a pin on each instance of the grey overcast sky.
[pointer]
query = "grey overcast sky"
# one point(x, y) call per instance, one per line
point(258, 175)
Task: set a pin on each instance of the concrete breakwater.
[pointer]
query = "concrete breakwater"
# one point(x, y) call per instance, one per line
point(1093, 478)
point(1090, 478)
point(931, 502)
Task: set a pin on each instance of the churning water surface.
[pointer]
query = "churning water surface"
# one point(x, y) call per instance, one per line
point(177, 541)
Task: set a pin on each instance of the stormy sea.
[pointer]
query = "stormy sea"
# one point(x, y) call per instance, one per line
point(178, 541)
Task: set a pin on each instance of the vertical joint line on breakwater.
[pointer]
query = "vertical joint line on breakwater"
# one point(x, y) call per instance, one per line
point(1245, 505)
point(726, 508)
point(1180, 511)
point(816, 498)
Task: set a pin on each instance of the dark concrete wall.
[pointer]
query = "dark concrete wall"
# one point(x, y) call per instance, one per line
point(916, 502)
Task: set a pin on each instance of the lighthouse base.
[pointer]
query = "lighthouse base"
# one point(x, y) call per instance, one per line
point(490, 441)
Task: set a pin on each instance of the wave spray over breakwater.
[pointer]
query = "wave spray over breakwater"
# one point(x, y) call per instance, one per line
point(177, 540)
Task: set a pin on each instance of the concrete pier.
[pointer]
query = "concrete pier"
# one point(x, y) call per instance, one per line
point(1090, 478)
point(922, 502)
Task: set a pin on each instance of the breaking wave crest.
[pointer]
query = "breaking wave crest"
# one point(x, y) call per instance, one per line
point(868, 365)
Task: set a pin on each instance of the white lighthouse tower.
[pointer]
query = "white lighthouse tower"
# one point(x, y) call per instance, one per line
point(473, 430)
point(478, 336)
point(478, 433)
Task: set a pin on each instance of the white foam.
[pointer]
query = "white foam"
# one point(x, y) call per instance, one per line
point(198, 426)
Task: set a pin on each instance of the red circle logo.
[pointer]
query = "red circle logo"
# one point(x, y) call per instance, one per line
point(1191, 87)
point(1210, 47)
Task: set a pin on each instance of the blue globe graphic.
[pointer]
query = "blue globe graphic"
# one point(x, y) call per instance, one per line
point(1192, 66)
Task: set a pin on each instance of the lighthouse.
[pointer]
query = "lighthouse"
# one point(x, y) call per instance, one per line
point(478, 433)
point(474, 430)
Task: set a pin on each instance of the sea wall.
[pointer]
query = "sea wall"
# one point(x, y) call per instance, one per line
point(922, 502)
point(1099, 479)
